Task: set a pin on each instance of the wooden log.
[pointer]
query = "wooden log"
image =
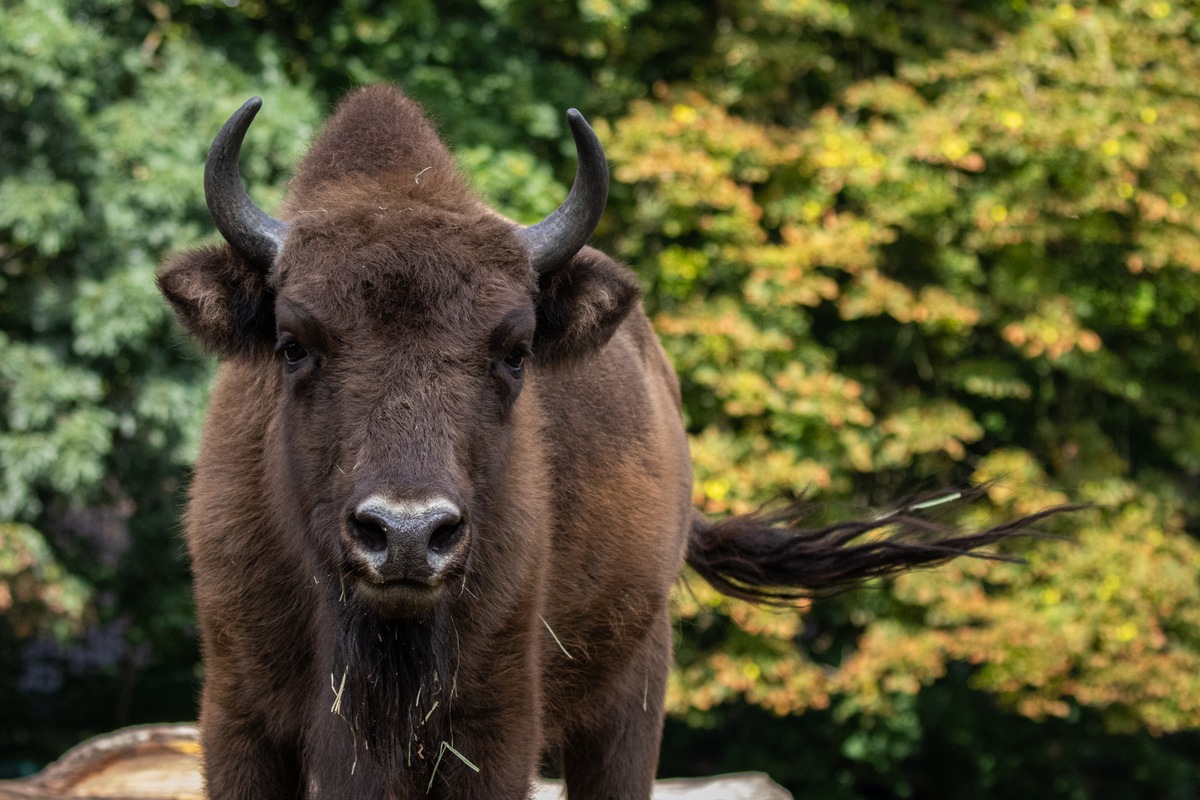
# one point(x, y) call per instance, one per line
point(149, 761)
point(162, 762)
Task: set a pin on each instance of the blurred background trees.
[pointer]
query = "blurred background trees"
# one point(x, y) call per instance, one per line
point(889, 246)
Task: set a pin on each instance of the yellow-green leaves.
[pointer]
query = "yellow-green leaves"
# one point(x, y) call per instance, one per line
point(981, 263)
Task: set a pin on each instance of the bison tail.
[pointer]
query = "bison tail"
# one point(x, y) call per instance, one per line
point(770, 558)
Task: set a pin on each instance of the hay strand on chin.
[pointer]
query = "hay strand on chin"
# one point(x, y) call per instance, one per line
point(461, 757)
point(338, 691)
point(556, 639)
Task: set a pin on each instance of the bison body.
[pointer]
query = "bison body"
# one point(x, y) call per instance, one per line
point(444, 486)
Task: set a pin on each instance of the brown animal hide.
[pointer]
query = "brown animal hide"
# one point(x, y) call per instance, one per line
point(444, 488)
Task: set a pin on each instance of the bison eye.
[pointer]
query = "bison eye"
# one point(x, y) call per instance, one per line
point(515, 360)
point(294, 353)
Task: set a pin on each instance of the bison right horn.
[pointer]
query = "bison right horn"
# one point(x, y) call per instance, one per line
point(252, 232)
point(556, 239)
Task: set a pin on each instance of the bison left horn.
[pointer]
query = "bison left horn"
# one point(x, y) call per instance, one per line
point(553, 241)
point(252, 232)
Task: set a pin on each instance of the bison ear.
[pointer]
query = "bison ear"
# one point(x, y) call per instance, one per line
point(221, 300)
point(580, 306)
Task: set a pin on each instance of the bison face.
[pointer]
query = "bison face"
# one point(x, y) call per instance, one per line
point(404, 353)
point(402, 357)
point(396, 328)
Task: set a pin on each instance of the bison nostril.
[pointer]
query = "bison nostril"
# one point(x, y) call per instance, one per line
point(445, 537)
point(371, 532)
point(396, 540)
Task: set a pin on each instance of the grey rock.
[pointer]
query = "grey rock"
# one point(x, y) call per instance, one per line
point(738, 786)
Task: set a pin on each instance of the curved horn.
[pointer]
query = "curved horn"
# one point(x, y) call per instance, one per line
point(252, 232)
point(554, 240)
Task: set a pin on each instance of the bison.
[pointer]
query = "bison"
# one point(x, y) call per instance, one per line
point(444, 487)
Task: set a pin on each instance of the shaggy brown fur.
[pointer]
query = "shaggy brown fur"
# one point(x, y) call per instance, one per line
point(376, 356)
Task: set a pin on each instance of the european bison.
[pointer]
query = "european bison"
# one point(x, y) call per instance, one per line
point(444, 488)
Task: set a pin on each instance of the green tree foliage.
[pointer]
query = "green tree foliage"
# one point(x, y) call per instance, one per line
point(105, 126)
point(889, 247)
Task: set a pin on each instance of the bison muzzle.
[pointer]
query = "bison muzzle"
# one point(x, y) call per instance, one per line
point(444, 487)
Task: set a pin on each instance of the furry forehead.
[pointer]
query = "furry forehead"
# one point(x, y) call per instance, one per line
point(415, 264)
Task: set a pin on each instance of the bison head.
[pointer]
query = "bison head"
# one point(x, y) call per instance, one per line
point(396, 327)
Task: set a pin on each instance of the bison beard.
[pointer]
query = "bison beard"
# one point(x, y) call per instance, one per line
point(476, 404)
point(395, 689)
